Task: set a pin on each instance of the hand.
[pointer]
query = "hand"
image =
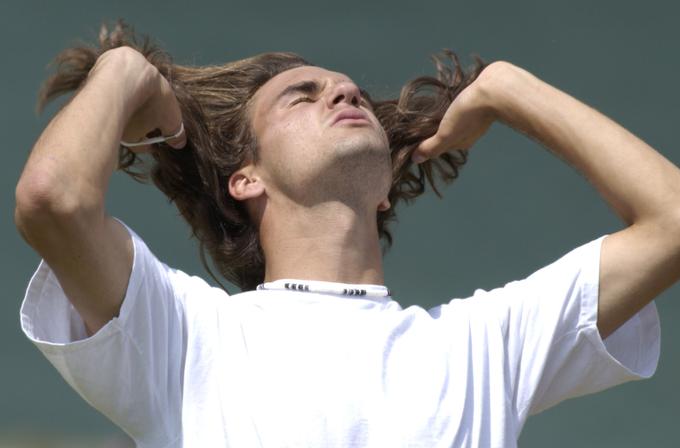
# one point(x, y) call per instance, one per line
point(468, 117)
point(152, 102)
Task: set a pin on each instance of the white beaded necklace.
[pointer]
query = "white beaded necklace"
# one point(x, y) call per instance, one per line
point(317, 286)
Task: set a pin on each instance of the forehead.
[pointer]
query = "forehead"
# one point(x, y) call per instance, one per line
point(267, 94)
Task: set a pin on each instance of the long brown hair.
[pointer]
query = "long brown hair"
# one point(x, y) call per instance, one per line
point(214, 100)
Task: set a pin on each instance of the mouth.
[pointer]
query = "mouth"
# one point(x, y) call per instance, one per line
point(350, 116)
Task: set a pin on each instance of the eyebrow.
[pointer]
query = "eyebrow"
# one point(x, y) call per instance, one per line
point(311, 87)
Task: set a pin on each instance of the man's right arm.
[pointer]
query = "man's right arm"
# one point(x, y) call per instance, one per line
point(60, 196)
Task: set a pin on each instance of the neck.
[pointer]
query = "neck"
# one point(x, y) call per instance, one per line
point(328, 242)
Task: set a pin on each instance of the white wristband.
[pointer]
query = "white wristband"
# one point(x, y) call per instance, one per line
point(149, 141)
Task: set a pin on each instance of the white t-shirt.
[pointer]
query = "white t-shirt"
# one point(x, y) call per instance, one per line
point(186, 365)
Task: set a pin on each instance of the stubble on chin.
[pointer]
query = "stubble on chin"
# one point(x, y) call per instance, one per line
point(359, 166)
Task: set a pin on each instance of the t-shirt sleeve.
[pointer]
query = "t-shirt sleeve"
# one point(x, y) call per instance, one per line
point(553, 350)
point(131, 369)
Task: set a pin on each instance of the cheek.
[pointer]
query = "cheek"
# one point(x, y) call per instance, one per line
point(284, 139)
point(293, 132)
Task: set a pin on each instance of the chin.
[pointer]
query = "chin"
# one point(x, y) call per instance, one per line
point(361, 144)
point(353, 174)
point(361, 159)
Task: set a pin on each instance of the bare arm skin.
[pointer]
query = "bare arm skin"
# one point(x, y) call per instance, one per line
point(642, 187)
point(60, 194)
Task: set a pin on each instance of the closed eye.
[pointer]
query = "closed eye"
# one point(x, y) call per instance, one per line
point(362, 100)
point(302, 98)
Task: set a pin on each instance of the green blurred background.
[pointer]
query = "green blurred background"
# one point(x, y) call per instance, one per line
point(514, 209)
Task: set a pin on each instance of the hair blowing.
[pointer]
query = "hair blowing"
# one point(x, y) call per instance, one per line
point(214, 99)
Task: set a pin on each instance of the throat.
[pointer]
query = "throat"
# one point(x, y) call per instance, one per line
point(330, 242)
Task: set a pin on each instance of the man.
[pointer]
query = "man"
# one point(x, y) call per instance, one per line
point(319, 354)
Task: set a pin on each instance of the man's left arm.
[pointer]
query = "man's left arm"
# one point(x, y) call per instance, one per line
point(636, 263)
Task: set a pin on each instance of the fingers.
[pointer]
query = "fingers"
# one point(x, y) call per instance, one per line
point(163, 110)
point(170, 113)
point(426, 150)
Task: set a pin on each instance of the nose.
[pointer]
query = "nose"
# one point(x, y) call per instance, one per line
point(346, 92)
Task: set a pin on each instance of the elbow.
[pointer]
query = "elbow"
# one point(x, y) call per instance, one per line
point(40, 206)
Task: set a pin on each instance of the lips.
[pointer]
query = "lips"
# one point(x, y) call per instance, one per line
point(355, 114)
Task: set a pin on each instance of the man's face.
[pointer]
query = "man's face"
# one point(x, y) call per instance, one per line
point(307, 150)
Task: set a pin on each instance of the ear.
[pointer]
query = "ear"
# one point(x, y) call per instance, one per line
point(384, 205)
point(245, 184)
